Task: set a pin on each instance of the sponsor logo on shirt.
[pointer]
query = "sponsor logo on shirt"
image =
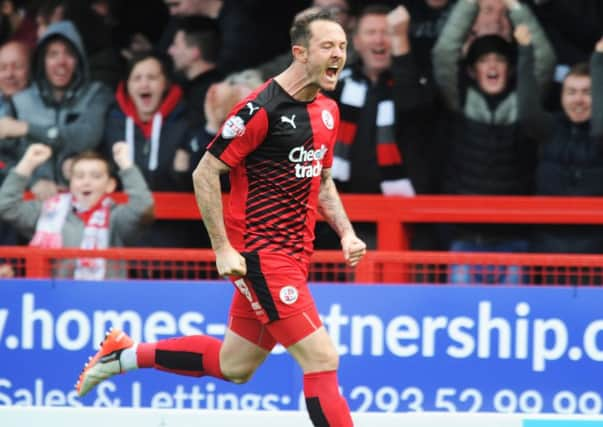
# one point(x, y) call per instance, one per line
point(289, 120)
point(308, 163)
point(252, 108)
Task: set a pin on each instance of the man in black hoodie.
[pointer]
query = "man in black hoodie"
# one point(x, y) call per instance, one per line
point(570, 157)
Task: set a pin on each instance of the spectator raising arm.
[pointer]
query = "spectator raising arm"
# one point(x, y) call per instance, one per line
point(532, 116)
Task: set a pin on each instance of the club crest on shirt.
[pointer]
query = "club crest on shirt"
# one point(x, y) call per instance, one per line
point(233, 127)
point(289, 295)
point(327, 119)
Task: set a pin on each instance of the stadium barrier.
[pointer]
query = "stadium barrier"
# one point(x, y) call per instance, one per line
point(417, 267)
point(391, 262)
point(134, 417)
point(394, 215)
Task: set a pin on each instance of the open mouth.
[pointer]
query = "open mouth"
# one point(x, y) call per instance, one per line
point(579, 109)
point(145, 97)
point(380, 52)
point(492, 76)
point(60, 77)
point(331, 71)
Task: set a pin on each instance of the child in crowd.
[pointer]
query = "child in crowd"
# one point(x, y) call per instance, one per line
point(86, 217)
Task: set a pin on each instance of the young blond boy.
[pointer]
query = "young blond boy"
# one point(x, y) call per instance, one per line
point(86, 217)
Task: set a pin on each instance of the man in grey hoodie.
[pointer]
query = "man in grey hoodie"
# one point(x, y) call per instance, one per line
point(62, 108)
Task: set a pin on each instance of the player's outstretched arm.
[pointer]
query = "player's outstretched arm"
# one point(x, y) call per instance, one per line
point(332, 210)
point(208, 193)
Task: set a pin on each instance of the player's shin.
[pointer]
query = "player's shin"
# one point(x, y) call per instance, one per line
point(195, 355)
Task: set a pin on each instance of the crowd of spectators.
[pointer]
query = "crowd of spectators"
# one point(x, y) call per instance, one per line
point(485, 97)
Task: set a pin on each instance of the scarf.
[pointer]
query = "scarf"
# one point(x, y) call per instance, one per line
point(150, 129)
point(49, 227)
point(389, 159)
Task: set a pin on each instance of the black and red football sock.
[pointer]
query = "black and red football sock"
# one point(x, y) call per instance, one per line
point(195, 355)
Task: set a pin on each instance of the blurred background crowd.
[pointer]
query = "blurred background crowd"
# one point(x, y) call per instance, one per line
point(493, 97)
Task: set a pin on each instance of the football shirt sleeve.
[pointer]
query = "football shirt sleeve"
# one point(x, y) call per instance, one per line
point(242, 132)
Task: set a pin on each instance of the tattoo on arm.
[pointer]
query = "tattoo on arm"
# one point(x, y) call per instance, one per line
point(330, 206)
point(208, 194)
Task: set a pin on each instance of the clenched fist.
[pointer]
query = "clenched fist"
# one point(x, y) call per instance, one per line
point(121, 155)
point(353, 249)
point(34, 156)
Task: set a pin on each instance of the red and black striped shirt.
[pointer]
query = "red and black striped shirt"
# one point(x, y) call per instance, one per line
point(276, 148)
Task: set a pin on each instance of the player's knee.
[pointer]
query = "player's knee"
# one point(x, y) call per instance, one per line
point(238, 374)
point(325, 359)
point(331, 360)
point(238, 378)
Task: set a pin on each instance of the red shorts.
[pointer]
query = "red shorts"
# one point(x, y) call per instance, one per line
point(275, 289)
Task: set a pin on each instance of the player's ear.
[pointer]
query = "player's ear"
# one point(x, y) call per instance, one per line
point(300, 53)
